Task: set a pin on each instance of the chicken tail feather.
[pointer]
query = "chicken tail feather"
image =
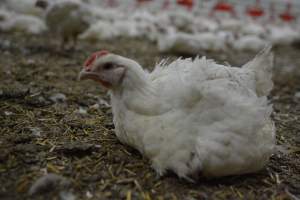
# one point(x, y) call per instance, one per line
point(262, 65)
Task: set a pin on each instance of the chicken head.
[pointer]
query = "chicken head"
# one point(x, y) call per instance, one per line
point(105, 68)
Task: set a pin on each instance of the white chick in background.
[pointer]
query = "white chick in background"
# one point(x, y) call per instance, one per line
point(65, 18)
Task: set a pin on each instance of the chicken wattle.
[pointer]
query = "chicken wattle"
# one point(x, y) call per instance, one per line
point(191, 116)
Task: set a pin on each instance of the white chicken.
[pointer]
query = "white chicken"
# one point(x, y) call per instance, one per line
point(111, 30)
point(204, 24)
point(192, 116)
point(108, 14)
point(13, 22)
point(192, 44)
point(66, 18)
point(249, 43)
point(282, 35)
point(230, 24)
point(102, 30)
point(26, 7)
point(179, 42)
point(252, 28)
point(181, 20)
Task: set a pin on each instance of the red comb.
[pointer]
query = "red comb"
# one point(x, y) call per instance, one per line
point(94, 57)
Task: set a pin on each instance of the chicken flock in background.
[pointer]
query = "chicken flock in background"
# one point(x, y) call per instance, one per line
point(191, 116)
point(175, 26)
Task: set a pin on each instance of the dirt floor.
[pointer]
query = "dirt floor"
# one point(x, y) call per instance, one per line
point(51, 122)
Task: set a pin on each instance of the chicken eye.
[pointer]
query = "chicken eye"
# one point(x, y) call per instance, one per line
point(108, 66)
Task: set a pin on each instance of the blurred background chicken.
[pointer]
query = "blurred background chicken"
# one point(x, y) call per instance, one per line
point(11, 22)
point(25, 7)
point(66, 19)
point(187, 27)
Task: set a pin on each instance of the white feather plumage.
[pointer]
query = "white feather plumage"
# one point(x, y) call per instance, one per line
point(196, 116)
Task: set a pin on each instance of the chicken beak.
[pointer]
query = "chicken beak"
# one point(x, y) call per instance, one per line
point(84, 74)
